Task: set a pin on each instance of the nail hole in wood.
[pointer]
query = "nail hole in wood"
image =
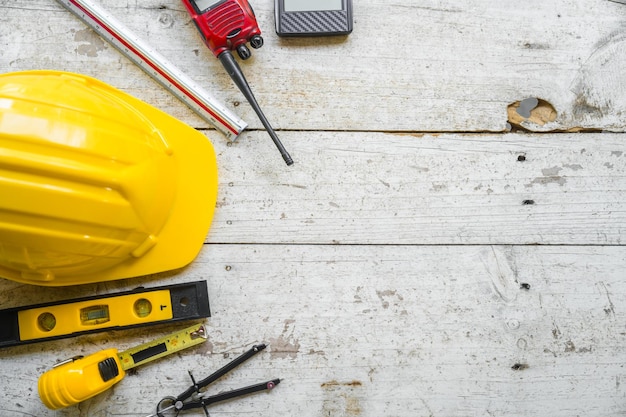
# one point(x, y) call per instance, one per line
point(519, 367)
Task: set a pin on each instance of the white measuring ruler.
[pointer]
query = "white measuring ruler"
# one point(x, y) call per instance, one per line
point(157, 66)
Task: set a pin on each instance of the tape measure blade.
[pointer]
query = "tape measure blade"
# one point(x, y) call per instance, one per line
point(164, 346)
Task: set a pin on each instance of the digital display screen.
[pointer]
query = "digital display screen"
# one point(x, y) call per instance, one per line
point(312, 5)
point(202, 5)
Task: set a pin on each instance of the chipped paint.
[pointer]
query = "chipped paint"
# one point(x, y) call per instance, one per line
point(93, 43)
point(285, 346)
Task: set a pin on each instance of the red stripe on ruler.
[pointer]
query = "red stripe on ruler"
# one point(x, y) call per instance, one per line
point(155, 67)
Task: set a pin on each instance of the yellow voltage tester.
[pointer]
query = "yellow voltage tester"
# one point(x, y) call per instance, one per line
point(81, 378)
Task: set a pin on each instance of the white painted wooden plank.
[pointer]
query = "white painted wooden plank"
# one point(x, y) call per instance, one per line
point(374, 330)
point(374, 188)
point(408, 66)
point(390, 329)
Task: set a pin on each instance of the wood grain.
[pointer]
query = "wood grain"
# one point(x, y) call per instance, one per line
point(378, 330)
point(434, 251)
point(374, 188)
point(425, 66)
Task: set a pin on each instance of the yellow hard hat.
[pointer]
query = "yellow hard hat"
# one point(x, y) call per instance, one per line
point(95, 184)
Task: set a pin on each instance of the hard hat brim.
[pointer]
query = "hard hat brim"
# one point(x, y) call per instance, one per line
point(184, 234)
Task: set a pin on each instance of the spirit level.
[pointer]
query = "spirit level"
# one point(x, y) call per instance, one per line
point(157, 66)
point(135, 308)
point(81, 378)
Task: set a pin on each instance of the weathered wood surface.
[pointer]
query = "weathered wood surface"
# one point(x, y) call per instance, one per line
point(410, 66)
point(382, 330)
point(418, 259)
point(375, 188)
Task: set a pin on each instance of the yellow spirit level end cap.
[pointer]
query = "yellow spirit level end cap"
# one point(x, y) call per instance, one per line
point(96, 185)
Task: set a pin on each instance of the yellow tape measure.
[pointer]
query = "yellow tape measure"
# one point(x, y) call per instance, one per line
point(80, 378)
point(175, 342)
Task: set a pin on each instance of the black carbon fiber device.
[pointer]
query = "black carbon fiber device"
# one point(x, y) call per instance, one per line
point(313, 17)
